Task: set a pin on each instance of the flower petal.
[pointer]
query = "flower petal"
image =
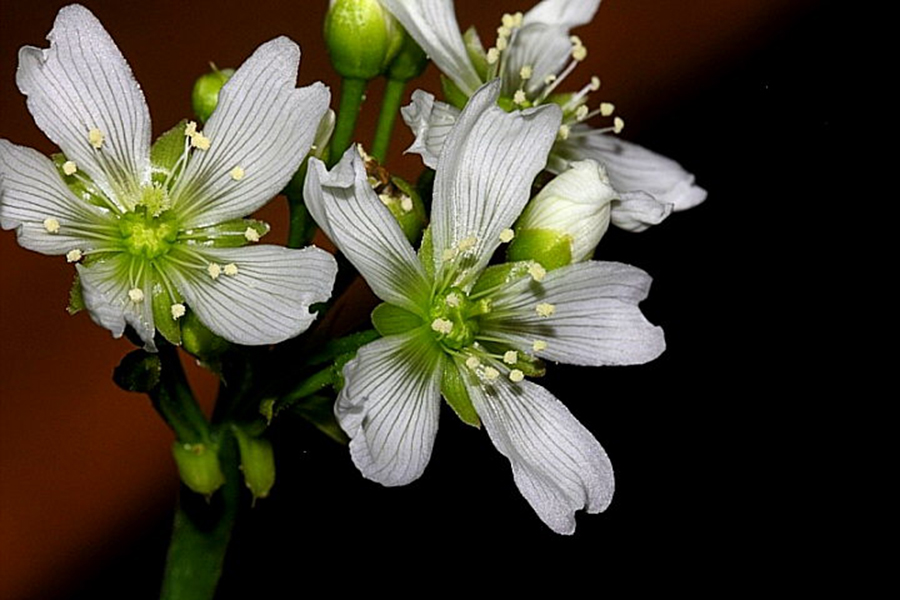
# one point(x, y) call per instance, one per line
point(637, 211)
point(432, 23)
point(262, 124)
point(107, 287)
point(32, 191)
point(82, 83)
point(557, 464)
point(344, 204)
point(544, 48)
point(265, 301)
point(595, 319)
point(431, 122)
point(484, 176)
point(631, 168)
point(389, 406)
point(565, 13)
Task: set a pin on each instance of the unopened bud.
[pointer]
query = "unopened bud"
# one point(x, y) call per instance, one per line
point(205, 95)
point(198, 466)
point(257, 463)
point(198, 340)
point(362, 38)
point(410, 61)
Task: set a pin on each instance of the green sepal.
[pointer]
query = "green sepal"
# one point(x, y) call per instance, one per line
point(412, 222)
point(165, 322)
point(228, 234)
point(205, 95)
point(551, 248)
point(348, 343)
point(530, 365)
point(319, 411)
point(426, 253)
point(76, 299)
point(139, 371)
point(476, 52)
point(453, 388)
point(198, 466)
point(452, 94)
point(198, 340)
point(257, 462)
point(500, 275)
point(410, 61)
point(166, 150)
point(390, 320)
point(76, 181)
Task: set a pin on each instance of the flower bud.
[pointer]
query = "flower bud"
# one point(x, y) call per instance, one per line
point(205, 95)
point(257, 463)
point(198, 340)
point(410, 61)
point(198, 466)
point(567, 217)
point(362, 38)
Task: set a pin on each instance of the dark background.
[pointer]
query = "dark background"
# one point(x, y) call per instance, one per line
point(743, 96)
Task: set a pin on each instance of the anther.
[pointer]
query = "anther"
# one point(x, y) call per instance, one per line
point(490, 373)
point(51, 225)
point(214, 270)
point(504, 31)
point(136, 295)
point(69, 167)
point(472, 362)
point(618, 125)
point(563, 132)
point(507, 235)
point(545, 309)
point(526, 72)
point(538, 345)
point(595, 83)
point(406, 203)
point(502, 43)
point(581, 112)
point(251, 234)
point(607, 108)
point(443, 326)
point(493, 55)
point(190, 130)
point(549, 79)
point(230, 269)
point(96, 137)
point(467, 243)
point(510, 357)
point(452, 300)
point(200, 141)
point(516, 375)
point(449, 254)
point(579, 52)
point(178, 311)
point(237, 173)
point(519, 97)
point(508, 21)
point(537, 272)
point(386, 199)
point(73, 255)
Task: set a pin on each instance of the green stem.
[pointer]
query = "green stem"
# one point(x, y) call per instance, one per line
point(174, 400)
point(308, 387)
point(390, 106)
point(352, 92)
point(201, 534)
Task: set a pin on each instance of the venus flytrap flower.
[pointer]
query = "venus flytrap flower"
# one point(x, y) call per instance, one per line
point(153, 232)
point(534, 53)
point(455, 327)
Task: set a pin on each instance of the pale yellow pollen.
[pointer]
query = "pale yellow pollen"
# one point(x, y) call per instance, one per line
point(607, 108)
point(406, 203)
point(493, 55)
point(519, 97)
point(564, 132)
point(579, 52)
point(214, 270)
point(190, 130)
point(69, 167)
point(51, 225)
point(200, 141)
point(504, 31)
point(73, 255)
point(510, 357)
point(467, 243)
point(136, 295)
point(545, 309)
point(452, 300)
point(595, 83)
point(538, 345)
point(178, 311)
point(502, 43)
point(230, 269)
point(96, 137)
point(237, 173)
point(449, 254)
point(526, 72)
point(518, 17)
point(508, 21)
point(549, 79)
point(516, 375)
point(537, 272)
point(444, 326)
point(490, 373)
point(581, 112)
point(386, 199)
point(472, 362)
point(251, 234)
point(507, 235)
point(618, 125)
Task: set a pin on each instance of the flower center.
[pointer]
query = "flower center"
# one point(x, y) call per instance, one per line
point(453, 319)
point(150, 229)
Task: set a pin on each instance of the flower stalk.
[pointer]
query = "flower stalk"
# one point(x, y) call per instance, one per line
point(353, 93)
point(390, 106)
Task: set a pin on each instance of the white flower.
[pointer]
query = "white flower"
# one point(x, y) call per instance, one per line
point(152, 233)
point(533, 54)
point(457, 328)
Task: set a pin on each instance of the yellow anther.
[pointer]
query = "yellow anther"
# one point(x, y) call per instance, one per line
point(516, 375)
point(519, 97)
point(549, 79)
point(190, 130)
point(214, 270)
point(579, 52)
point(449, 254)
point(96, 137)
point(406, 203)
point(490, 373)
point(443, 326)
point(504, 32)
point(537, 272)
point(386, 199)
point(237, 173)
point(230, 269)
point(526, 72)
point(69, 167)
point(73, 255)
point(472, 362)
point(51, 225)
point(467, 243)
point(251, 234)
point(595, 83)
point(200, 141)
point(518, 17)
point(136, 295)
point(452, 300)
point(510, 357)
point(607, 108)
point(507, 235)
point(178, 311)
point(508, 21)
point(576, 41)
point(581, 112)
point(538, 345)
point(502, 43)
point(618, 125)
point(493, 55)
point(563, 132)
point(545, 309)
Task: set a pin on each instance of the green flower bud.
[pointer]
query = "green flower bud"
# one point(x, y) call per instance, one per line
point(257, 463)
point(362, 38)
point(198, 340)
point(198, 466)
point(206, 91)
point(568, 217)
point(410, 61)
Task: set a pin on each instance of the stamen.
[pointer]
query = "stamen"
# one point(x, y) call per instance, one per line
point(607, 108)
point(472, 362)
point(444, 326)
point(190, 130)
point(51, 225)
point(406, 203)
point(538, 345)
point(581, 112)
point(136, 295)
point(510, 357)
point(563, 132)
point(502, 44)
point(96, 137)
point(200, 141)
point(178, 311)
point(508, 20)
point(449, 254)
point(386, 199)
point(73, 255)
point(251, 234)
point(595, 83)
point(549, 79)
point(230, 269)
point(214, 270)
point(545, 309)
point(490, 373)
point(237, 173)
point(467, 243)
point(452, 300)
point(526, 72)
point(493, 55)
point(579, 52)
point(516, 375)
point(618, 125)
point(507, 235)
point(537, 272)
point(69, 167)
point(519, 97)
point(504, 31)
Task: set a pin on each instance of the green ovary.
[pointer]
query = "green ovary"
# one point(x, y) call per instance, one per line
point(454, 306)
point(144, 234)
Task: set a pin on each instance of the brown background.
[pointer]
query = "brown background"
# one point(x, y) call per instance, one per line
point(84, 465)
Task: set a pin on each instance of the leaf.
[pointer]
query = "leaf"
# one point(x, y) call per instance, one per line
point(319, 410)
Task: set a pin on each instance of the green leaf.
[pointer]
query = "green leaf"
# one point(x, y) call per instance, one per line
point(457, 396)
point(319, 410)
point(344, 345)
point(389, 319)
point(139, 371)
point(76, 300)
point(166, 150)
